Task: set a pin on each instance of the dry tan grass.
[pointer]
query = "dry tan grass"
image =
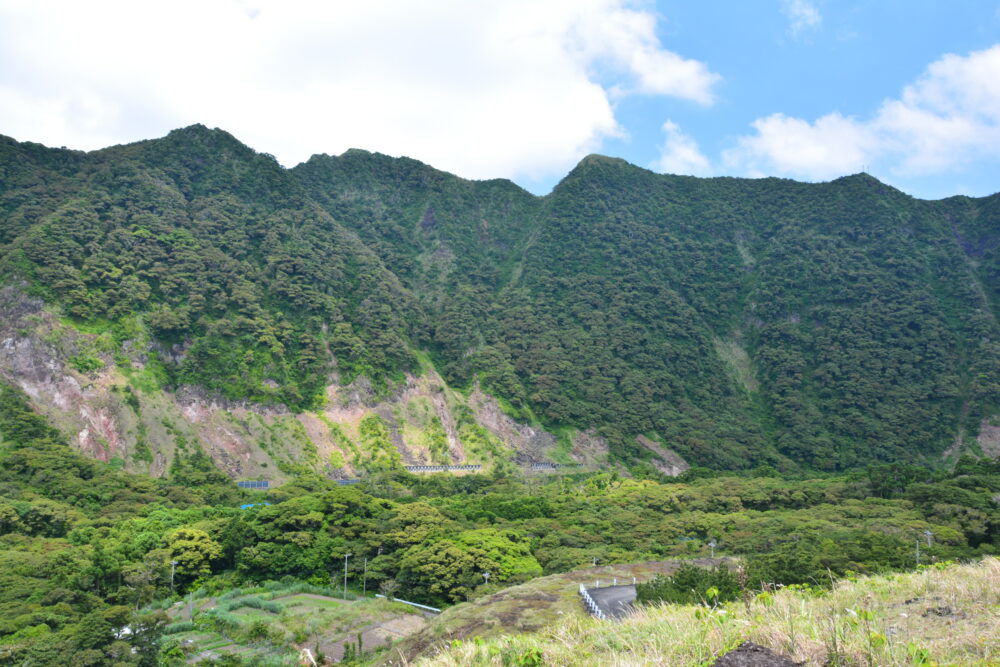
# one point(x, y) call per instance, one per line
point(948, 616)
point(531, 607)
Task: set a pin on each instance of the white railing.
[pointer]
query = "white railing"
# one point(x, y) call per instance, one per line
point(412, 604)
point(589, 603)
point(443, 468)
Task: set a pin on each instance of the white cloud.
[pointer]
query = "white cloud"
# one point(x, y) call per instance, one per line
point(832, 146)
point(948, 118)
point(628, 40)
point(484, 89)
point(680, 154)
point(802, 15)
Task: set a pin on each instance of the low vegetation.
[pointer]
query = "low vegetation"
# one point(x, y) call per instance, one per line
point(945, 614)
point(691, 585)
point(271, 623)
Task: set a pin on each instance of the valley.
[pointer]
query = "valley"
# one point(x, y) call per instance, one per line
point(798, 383)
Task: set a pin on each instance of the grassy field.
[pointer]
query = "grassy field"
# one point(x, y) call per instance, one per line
point(942, 615)
point(305, 603)
point(527, 608)
point(273, 623)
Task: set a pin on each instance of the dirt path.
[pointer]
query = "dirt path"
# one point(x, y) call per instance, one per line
point(375, 636)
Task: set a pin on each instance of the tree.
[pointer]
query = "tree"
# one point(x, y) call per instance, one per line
point(193, 550)
point(141, 577)
point(389, 588)
point(448, 570)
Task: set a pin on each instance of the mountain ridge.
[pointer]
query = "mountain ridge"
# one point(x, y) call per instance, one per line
point(196, 129)
point(624, 303)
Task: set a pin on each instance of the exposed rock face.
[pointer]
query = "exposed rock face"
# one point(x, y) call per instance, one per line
point(198, 406)
point(105, 416)
point(989, 439)
point(668, 461)
point(531, 444)
point(90, 408)
point(590, 448)
point(33, 354)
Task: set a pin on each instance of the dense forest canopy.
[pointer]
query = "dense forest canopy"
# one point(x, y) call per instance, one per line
point(738, 322)
point(85, 547)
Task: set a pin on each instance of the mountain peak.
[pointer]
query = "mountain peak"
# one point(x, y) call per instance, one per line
point(214, 139)
point(864, 180)
point(596, 159)
point(860, 177)
point(609, 171)
point(197, 130)
point(357, 152)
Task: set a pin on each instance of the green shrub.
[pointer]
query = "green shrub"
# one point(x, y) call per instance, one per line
point(86, 363)
point(253, 602)
point(176, 628)
point(690, 585)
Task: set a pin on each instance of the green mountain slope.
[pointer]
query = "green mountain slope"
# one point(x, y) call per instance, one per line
point(864, 326)
point(220, 253)
point(736, 322)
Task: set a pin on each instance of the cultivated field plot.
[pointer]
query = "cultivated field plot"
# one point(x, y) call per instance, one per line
point(275, 622)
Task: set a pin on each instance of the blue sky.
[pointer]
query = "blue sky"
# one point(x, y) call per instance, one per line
point(523, 89)
point(849, 59)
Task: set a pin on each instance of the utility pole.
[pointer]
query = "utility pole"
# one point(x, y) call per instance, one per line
point(173, 565)
point(486, 576)
point(364, 579)
point(928, 535)
point(346, 556)
point(712, 545)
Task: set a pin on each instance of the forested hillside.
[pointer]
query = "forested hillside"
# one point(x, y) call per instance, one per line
point(735, 322)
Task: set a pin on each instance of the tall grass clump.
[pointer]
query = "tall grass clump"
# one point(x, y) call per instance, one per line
point(239, 592)
point(281, 588)
point(253, 602)
point(175, 628)
point(222, 621)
